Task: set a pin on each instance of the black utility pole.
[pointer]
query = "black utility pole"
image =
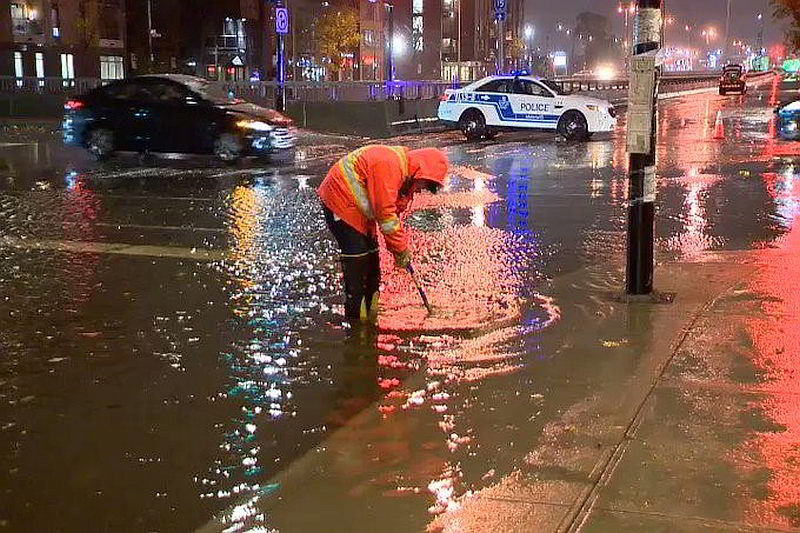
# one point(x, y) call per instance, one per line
point(642, 144)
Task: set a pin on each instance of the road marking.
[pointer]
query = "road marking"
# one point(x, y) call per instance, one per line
point(196, 254)
point(157, 228)
point(146, 197)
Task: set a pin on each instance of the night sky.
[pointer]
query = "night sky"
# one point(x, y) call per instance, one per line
point(544, 13)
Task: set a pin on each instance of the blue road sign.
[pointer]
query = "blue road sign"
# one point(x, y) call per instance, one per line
point(282, 20)
point(501, 9)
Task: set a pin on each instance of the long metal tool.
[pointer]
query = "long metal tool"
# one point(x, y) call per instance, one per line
point(420, 289)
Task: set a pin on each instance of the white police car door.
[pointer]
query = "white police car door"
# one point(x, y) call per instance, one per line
point(534, 105)
point(494, 99)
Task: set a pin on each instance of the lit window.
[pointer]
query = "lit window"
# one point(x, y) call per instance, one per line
point(40, 68)
point(68, 69)
point(19, 70)
point(111, 68)
point(17, 11)
point(418, 25)
point(55, 21)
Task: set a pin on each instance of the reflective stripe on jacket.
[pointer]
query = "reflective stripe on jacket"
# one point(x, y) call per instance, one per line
point(364, 187)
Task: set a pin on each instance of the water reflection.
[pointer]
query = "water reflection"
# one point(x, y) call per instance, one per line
point(281, 277)
point(776, 339)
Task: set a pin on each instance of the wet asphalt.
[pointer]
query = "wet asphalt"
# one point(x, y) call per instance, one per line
point(171, 329)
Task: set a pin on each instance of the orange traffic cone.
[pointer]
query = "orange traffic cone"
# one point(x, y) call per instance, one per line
point(719, 127)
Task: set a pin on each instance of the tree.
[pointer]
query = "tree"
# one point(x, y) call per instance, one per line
point(593, 31)
point(86, 24)
point(516, 50)
point(789, 9)
point(339, 34)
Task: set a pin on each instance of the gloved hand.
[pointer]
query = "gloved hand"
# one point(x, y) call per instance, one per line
point(402, 259)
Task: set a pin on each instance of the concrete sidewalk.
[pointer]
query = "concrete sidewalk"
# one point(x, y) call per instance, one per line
point(702, 435)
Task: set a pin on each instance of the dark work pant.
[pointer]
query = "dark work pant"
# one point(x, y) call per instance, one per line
point(360, 265)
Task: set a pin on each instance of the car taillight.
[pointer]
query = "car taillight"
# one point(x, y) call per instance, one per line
point(445, 97)
point(72, 105)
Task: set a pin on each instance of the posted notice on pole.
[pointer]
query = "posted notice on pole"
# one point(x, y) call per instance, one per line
point(641, 104)
point(649, 192)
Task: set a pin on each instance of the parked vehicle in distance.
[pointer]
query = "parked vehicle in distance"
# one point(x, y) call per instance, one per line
point(172, 113)
point(495, 103)
point(789, 121)
point(733, 79)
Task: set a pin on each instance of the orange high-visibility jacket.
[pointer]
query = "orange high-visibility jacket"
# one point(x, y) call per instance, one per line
point(364, 187)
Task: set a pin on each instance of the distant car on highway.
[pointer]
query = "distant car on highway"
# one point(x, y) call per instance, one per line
point(496, 103)
point(733, 79)
point(174, 114)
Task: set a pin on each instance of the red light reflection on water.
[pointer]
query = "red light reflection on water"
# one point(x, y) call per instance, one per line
point(776, 339)
point(470, 276)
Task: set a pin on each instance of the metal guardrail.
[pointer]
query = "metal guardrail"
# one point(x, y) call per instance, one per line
point(47, 86)
point(341, 91)
point(680, 80)
point(266, 91)
point(261, 90)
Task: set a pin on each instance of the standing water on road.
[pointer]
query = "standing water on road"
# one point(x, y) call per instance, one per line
point(191, 361)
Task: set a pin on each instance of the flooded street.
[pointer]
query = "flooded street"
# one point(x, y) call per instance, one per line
point(175, 358)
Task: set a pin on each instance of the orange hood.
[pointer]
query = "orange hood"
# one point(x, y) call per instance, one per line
point(428, 164)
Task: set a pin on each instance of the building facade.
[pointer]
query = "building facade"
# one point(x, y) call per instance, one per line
point(434, 39)
point(63, 39)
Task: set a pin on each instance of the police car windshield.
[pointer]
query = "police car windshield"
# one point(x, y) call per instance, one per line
point(553, 86)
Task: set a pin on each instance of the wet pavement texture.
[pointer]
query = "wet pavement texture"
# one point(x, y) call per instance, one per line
point(173, 346)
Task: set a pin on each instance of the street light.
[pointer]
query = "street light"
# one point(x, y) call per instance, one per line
point(528, 32)
point(398, 45)
point(709, 34)
point(628, 11)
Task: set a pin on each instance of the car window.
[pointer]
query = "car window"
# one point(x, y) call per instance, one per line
point(496, 86)
point(530, 88)
point(165, 92)
point(129, 90)
point(556, 88)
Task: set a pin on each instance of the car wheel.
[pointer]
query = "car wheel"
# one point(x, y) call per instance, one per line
point(573, 126)
point(228, 148)
point(472, 125)
point(100, 143)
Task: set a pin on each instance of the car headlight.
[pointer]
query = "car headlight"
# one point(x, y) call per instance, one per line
point(593, 107)
point(791, 126)
point(253, 125)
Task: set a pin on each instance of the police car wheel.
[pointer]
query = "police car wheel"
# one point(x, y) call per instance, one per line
point(573, 126)
point(472, 125)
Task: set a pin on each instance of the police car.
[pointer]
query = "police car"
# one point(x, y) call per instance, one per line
point(524, 102)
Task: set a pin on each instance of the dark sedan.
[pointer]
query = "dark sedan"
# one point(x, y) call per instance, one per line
point(174, 114)
point(733, 80)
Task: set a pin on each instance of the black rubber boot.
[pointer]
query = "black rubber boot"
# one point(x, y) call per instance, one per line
point(354, 270)
point(372, 283)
